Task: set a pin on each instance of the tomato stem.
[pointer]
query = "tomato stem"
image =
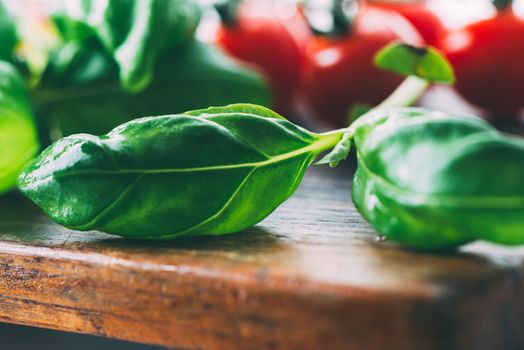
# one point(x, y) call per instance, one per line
point(502, 5)
point(227, 11)
point(342, 13)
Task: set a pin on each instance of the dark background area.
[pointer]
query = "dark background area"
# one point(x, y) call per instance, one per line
point(14, 337)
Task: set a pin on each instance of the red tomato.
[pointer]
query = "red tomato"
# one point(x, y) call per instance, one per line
point(271, 44)
point(417, 13)
point(339, 73)
point(487, 57)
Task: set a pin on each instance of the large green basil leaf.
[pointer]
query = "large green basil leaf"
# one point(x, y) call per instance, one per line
point(430, 180)
point(196, 77)
point(18, 136)
point(135, 32)
point(8, 34)
point(214, 171)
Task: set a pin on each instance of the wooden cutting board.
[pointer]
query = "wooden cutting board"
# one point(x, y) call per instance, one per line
point(311, 276)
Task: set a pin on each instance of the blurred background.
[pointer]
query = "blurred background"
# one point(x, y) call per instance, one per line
point(311, 61)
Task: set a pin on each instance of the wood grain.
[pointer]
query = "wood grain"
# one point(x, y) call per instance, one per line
point(311, 276)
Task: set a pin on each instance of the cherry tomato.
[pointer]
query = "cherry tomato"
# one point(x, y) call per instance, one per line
point(259, 37)
point(417, 13)
point(487, 57)
point(339, 73)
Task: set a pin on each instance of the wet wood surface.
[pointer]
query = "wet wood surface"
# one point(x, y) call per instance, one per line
point(311, 276)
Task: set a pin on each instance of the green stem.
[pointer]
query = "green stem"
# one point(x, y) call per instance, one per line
point(330, 139)
point(406, 94)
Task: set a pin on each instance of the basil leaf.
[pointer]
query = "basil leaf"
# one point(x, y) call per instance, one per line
point(135, 32)
point(18, 135)
point(71, 99)
point(162, 177)
point(430, 180)
point(426, 63)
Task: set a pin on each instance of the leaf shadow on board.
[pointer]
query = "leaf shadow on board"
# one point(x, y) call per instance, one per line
point(22, 221)
point(464, 269)
point(252, 240)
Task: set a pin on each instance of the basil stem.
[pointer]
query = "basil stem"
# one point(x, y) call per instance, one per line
point(407, 93)
point(421, 66)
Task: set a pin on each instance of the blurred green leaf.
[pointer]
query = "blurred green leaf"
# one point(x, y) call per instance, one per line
point(8, 34)
point(18, 135)
point(197, 77)
point(134, 33)
point(426, 63)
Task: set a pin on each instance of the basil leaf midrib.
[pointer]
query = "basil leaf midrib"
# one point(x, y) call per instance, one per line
point(271, 160)
point(319, 145)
